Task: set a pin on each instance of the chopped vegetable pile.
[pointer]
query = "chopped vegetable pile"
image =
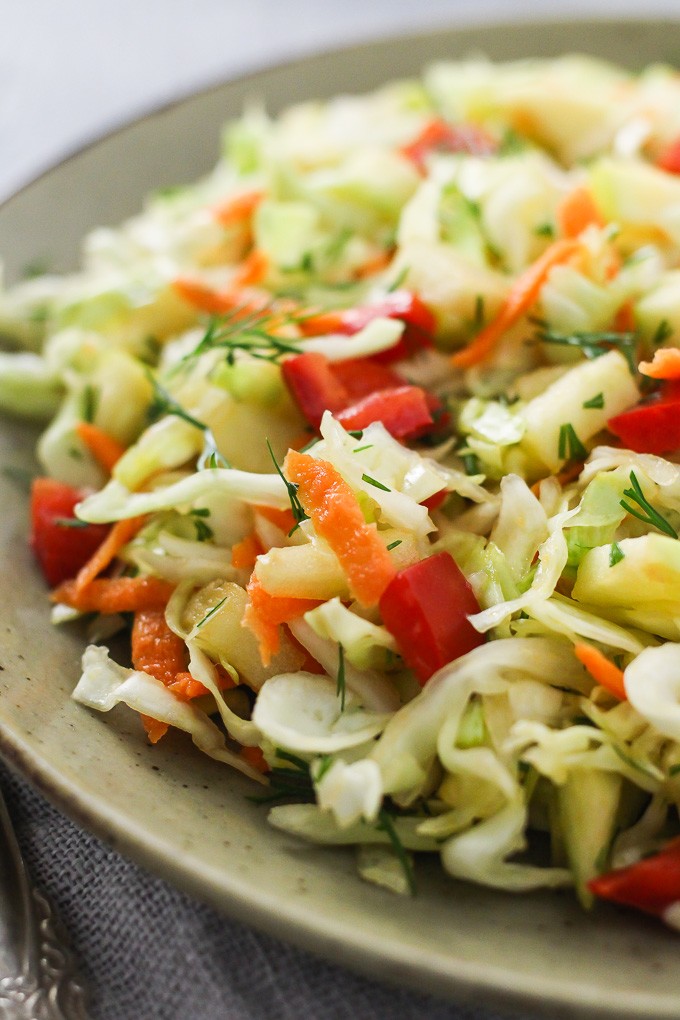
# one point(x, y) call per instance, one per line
point(371, 439)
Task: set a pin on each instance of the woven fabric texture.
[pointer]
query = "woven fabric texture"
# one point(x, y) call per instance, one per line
point(147, 951)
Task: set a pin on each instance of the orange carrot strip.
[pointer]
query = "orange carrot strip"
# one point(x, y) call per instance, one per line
point(374, 265)
point(114, 594)
point(252, 270)
point(155, 648)
point(104, 448)
point(158, 651)
point(576, 212)
point(664, 365)
point(204, 298)
point(239, 303)
point(283, 519)
point(255, 757)
point(624, 320)
point(321, 323)
point(245, 552)
point(265, 613)
point(238, 208)
point(185, 688)
point(601, 669)
point(154, 728)
point(337, 517)
point(522, 296)
point(120, 534)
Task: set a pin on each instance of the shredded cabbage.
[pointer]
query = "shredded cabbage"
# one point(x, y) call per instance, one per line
point(449, 623)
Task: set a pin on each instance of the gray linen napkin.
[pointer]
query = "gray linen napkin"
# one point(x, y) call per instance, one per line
point(148, 951)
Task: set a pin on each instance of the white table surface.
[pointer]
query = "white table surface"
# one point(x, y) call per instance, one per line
point(70, 69)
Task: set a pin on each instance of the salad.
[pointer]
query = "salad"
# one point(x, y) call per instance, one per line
point(370, 441)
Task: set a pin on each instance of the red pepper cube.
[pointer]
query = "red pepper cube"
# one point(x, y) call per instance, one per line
point(426, 608)
point(61, 543)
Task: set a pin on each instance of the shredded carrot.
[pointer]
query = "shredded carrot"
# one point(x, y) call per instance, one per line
point(283, 519)
point(155, 648)
point(624, 320)
point(255, 757)
point(374, 265)
point(185, 688)
point(104, 448)
point(204, 298)
point(265, 613)
point(154, 728)
point(664, 365)
point(576, 212)
point(320, 323)
point(522, 296)
point(252, 270)
point(245, 552)
point(238, 208)
point(337, 517)
point(570, 472)
point(601, 669)
point(239, 303)
point(120, 534)
point(114, 594)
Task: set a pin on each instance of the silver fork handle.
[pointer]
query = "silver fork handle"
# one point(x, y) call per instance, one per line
point(38, 970)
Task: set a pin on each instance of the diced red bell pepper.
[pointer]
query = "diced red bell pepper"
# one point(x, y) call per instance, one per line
point(402, 304)
point(434, 501)
point(651, 885)
point(653, 425)
point(61, 543)
point(358, 392)
point(426, 607)
point(440, 136)
point(402, 410)
point(669, 160)
point(361, 376)
point(419, 322)
point(314, 386)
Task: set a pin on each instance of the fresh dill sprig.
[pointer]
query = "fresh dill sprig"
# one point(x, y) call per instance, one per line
point(203, 531)
point(375, 483)
point(663, 332)
point(616, 554)
point(341, 685)
point(569, 446)
point(212, 611)
point(646, 512)
point(164, 403)
point(292, 782)
point(90, 397)
point(299, 514)
point(594, 344)
point(246, 331)
point(70, 522)
point(386, 824)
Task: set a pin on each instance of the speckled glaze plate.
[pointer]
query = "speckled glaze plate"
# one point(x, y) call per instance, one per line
point(186, 817)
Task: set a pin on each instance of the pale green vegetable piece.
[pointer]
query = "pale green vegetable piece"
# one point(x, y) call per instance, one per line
point(303, 712)
point(588, 803)
point(561, 405)
point(649, 573)
point(28, 387)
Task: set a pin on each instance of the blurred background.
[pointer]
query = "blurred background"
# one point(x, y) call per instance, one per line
point(69, 69)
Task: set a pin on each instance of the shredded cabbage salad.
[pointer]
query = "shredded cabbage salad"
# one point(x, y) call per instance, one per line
point(371, 440)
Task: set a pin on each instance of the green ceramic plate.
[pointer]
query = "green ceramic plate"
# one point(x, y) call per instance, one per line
point(184, 816)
